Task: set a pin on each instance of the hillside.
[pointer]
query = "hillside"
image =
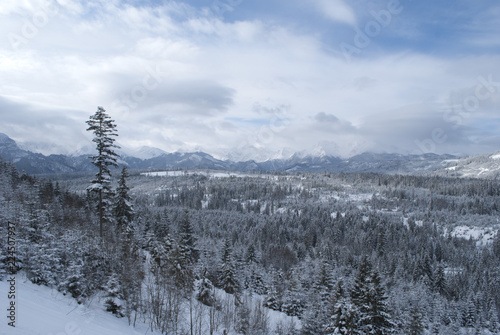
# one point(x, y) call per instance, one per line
point(41, 310)
point(485, 166)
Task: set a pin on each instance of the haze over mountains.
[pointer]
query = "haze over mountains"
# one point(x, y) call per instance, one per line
point(483, 166)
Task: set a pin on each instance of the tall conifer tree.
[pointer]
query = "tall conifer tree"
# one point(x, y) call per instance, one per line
point(104, 130)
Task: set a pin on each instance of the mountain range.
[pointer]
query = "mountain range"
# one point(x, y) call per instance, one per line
point(487, 166)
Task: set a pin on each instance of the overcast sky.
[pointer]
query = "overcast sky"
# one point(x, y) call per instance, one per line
point(254, 78)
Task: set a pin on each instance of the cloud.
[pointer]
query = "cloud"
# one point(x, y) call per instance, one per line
point(180, 77)
point(331, 123)
point(336, 10)
point(59, 131)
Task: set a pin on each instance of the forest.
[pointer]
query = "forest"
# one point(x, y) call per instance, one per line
point(204, 252)
point(211, 252)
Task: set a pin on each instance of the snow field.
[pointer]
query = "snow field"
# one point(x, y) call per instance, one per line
point(41, 310)
point(44, 311)
point(482, 235)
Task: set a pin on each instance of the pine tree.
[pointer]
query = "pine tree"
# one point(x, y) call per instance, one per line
point(187, 238)
point(343, 320)
point(124, 210)
point(369, 297)
point(205, 291)
point(181, 267)
point(312, 322)
point(323, 284)
point(161, 226)
point(496, 244)
point(228, 280)
point(251, 255)
point(103, 129)
point(439, 281)
point(293, 302)
point(415, 323)
point(274, 299)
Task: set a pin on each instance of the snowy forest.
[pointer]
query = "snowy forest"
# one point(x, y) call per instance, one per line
point(211, 252)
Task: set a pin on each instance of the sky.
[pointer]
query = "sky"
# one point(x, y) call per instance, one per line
point(254, 79)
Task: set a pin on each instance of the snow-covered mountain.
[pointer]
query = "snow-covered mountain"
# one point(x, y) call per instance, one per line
point(152, 158)
point(141, 153)
point(482, 166)
point(9, 150)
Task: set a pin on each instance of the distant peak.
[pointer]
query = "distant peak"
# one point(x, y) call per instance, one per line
point(5, 139)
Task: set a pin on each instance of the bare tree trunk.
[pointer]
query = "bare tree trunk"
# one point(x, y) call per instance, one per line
point(100, 214)
point(191, 314)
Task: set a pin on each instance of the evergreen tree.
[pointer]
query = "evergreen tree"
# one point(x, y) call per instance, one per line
point(496, 244)
point(293, 300)
point(180, 265)
point(251, 255)
point(313, 322)
point(344, 318)
point(187, 238)
point(228, 280)
point(323, 284)
point(439, 281)
point(73, 281)
point(124, 210)
point(205, 291)
point(274, 299)
point(161, 226)
point(415, 323)
point(369, 297)
point(104, 129)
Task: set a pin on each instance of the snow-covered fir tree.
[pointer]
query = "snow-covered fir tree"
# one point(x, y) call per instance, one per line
point(368, 295)
point(104, 130)
point(124, 209)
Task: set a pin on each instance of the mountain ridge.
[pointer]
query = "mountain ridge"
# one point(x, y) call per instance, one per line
point(156, 159)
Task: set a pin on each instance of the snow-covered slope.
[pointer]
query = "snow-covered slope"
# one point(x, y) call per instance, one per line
point(43, 311)
point(141, 153)
point(481, 166)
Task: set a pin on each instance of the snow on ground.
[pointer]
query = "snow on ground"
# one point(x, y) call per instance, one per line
point(496, 156)
point(418, 223)
point(483, 235)
point(165, 174)
point(44, 311)
point(210, 174)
